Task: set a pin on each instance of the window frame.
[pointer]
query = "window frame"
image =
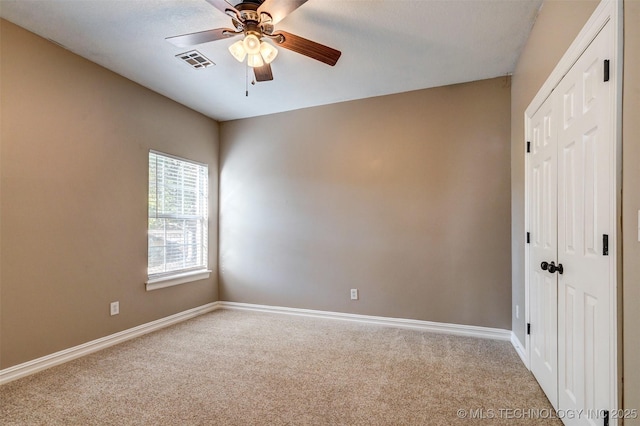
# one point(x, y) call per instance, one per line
point(181, 276)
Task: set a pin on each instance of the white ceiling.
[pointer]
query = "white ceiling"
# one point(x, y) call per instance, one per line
point(388, 46)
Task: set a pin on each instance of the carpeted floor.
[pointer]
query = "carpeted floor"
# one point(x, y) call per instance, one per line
point(247, 368)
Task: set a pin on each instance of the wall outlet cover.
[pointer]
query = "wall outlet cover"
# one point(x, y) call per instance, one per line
point(114, 308)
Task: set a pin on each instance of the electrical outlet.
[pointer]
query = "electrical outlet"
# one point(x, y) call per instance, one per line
point(354, 294)
point(115, 308)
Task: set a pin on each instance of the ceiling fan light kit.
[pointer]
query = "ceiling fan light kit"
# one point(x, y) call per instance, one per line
point(259, 53)
point(255, 19)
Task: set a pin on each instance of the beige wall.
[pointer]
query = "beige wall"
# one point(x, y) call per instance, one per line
point(405, 197)
point(74, 141)
point(556, 26)
point(631, 206)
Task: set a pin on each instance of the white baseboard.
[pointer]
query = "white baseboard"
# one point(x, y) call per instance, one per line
point(39, 364)
point(519, 347)
point(435, 327)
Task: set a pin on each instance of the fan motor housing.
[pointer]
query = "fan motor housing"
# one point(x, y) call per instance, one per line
point(252, 22)
point(248, 11)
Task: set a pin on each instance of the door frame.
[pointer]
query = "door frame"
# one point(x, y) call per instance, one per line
point(607, 11)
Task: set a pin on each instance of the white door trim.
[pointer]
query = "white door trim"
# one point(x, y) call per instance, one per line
point(607, 11)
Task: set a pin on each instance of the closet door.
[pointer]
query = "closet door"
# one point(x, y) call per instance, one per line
point(543, 250)
point(584, 217)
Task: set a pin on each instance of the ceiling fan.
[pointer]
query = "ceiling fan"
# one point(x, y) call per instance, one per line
point(255, 20)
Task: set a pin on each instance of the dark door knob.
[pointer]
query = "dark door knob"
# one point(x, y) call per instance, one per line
point(544, 266)
point(553, 268)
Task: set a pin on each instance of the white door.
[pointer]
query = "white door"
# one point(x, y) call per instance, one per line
point(543, 239)
point(584, 218)
point(570, 205)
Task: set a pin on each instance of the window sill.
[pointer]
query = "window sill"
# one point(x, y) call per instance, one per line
point(171, 280)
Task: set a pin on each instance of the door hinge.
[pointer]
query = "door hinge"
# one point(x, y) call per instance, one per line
point(605, 417)
point(605, 245)
point(528, 146)
point(528, 328)
point(606, 70)
point(528, 238)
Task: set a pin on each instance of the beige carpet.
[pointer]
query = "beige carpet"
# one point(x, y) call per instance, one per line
point(245, 368)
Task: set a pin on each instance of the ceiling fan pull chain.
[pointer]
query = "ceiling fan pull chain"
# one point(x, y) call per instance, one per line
point(246, 80)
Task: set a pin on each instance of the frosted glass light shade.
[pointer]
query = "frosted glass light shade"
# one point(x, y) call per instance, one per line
point(251, 44)
point(257, 53)
point(255, 60)
point(268, 52)
point(237, 50)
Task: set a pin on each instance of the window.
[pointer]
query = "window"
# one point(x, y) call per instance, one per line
point(178, 216)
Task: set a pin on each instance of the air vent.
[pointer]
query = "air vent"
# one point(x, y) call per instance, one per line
point(195, 59)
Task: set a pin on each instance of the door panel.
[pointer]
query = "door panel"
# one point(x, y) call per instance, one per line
point(543, 229)
point(570, 347)
point(583, 218)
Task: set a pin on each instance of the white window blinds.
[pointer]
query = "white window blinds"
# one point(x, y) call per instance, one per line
point(178, 215)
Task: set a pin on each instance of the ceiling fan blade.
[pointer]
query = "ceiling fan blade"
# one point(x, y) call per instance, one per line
point(263, 73)
point(278, 9)
point(186, 40)
point(309, 48)
point(223, 6)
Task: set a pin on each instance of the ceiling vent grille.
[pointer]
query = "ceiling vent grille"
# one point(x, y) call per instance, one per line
point(195, 59)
